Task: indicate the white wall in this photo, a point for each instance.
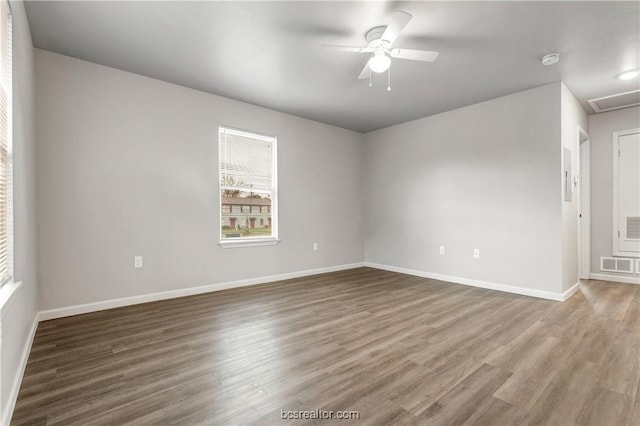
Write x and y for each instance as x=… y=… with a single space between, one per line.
x=601 y=128
x=18 y=317
x=572 y=116
x=127 y=165
x=484 y=176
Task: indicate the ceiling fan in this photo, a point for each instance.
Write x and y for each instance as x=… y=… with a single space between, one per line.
x=380 y=44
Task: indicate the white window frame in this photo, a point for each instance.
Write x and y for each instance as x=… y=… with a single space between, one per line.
x=9 y=287
x=7 y=18
x=616 y=223
x=252 y=241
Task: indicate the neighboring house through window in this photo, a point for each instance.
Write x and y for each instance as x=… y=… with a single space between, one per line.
x=248 y=190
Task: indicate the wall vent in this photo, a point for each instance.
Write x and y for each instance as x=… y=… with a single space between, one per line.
x=633 y=228
x=613 y=102
x=616 y=264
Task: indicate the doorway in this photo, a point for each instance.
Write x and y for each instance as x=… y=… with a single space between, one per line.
x=584 y=205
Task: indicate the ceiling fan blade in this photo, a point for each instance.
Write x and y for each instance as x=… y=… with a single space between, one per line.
x=365 y=72
x=415 y=55
x=347 y=48
x=398 y=22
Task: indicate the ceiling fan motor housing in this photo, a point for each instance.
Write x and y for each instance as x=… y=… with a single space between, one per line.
x=374 y=38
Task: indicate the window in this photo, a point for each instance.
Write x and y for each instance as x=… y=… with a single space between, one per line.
x=6 y=233
x=247 y=166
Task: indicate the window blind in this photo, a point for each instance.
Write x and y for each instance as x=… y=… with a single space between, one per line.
x=5 y=143
x=246 y=161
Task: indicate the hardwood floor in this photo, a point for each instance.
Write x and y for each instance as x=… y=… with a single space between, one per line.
x=395 y=348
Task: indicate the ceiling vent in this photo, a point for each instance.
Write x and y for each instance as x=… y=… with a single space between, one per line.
x=613 y=102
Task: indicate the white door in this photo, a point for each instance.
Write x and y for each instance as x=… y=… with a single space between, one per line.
x=626 y=189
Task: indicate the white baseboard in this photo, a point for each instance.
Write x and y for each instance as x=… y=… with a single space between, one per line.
x=144 y=298
x=567 y=294
x=560 y=297
x=615 y=278
x=7 y=412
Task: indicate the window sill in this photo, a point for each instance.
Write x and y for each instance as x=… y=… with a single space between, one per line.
x=7 y=291
x=249 y=243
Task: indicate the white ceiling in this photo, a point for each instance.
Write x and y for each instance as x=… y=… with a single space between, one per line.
x=269 y=53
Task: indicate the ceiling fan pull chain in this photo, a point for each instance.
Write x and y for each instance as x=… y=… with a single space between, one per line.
x=389 y=79
x=370 y=82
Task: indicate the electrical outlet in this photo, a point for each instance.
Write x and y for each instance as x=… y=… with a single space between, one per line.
x=476 y=253
x=315 y=246
x=137 y=262
x=441 y=249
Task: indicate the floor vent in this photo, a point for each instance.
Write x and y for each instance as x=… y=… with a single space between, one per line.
x=616 y=264
x=613 y=102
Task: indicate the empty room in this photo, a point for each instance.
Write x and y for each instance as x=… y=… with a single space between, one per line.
x=319 y=212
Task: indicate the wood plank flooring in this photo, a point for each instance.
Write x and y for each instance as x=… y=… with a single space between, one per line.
x=395 y=348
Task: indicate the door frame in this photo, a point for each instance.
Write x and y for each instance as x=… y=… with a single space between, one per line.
x=584 y=204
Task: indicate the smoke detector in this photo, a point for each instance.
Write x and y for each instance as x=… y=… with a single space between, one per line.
x=550 y=59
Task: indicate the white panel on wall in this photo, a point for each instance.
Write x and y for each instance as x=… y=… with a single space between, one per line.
x=566 y=174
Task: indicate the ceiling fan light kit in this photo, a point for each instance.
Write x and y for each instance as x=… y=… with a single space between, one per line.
x=379 y=62
x=380 y=44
